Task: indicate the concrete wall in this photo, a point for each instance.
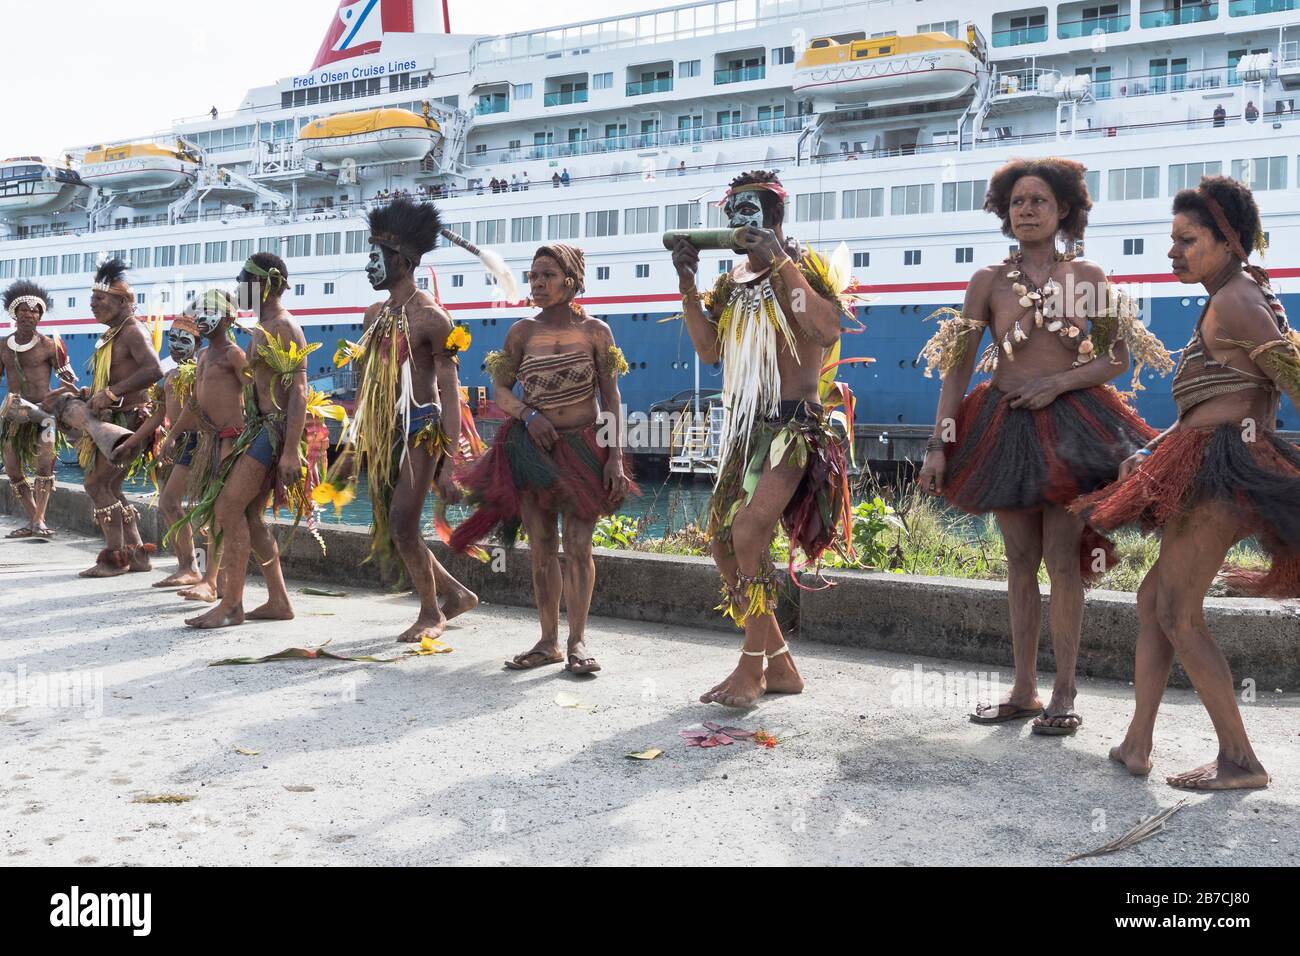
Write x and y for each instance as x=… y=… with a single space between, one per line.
x=926 y=616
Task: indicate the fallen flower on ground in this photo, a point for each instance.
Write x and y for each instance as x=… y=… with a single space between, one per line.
x=714 y=735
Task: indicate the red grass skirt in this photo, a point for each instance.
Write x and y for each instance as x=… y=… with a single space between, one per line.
x=569 y=479
x=1259 y=480
x=1017 y=459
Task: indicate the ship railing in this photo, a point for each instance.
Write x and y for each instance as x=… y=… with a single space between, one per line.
x=638 y=141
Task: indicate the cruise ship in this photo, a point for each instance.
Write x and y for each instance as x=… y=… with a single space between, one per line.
x=885 y=119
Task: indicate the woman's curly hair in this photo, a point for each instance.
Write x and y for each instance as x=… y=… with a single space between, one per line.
x=1237 y=202
x=1067 y=180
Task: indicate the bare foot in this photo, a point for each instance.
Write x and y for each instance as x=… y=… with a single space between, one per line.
x=219 y=616
x=272 y=611
x=1136 y=759
x=103 y=571
x=200 y=592
x=782 y=676
x=742 y=688
x=422 y=628
x=1221 y=774
x=458 y=603
x=179 y=579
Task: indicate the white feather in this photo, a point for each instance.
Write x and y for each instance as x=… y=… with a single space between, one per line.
x=840 y=267
x=505 y=278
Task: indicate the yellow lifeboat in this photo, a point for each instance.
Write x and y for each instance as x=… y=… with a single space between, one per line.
x=885 y=71
x=136 y=166
x=32 y=186
x=369 y=136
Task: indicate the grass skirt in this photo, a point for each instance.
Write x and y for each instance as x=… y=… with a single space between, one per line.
x=1015 y=459
x=1259 y=480
x=569 y=480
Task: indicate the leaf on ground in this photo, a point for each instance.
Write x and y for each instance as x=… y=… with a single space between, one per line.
x=431 y=645
x=565 y=699
x=246 y=752
x=323 y=592
x=162 y=798
x=299 y=788
x=1143 y=830
x=648 y=754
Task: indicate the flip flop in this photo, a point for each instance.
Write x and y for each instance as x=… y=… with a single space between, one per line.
x=20 y=533
x=1017 y=713
x=43 y=534
x=518 y=663
x=581 y=665
x=1046 y=730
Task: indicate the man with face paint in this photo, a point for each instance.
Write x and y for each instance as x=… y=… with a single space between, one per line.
x=1046 y=427
x=770 y=322
x=28 y=359
x=265 y=464
x=170 y=400
x=407 y=424
x=123 y=368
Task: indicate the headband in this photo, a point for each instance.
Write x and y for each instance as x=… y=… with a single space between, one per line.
x=31 y=301
x=776 y=188
x=118 y=288
x=573 y=263
x=1232 y=237
x=183 y=323
x=273 y=275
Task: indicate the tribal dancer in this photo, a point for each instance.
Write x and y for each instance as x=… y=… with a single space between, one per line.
x=29 y=359
x=275 y=458
x=549 y=459
x=170 y=399
x=1218 y=475
x=1046 y=428
x=771 y=321
x=407 y=427
x=123 y=368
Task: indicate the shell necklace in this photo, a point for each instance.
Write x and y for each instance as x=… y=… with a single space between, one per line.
x=1044 y=302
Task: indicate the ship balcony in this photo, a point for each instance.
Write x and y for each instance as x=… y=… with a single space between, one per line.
x=492 y=104
x=646 y=78
x=662 y=84
x=565 y=90
x=1249 y=8
x=741 y=74
x=1020 y=27
x=1078 y=20
x=1155 y=13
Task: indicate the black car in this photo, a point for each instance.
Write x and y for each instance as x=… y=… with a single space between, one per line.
x=684 y=401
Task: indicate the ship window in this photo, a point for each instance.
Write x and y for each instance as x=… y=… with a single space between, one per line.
x=965 y=254
x=72 y=302
x=949 y=27
x=861 y=260
x=1133 y=247
x=688 y=68
x=964 y=196
x=603 y=222
x=912 y=257
x=7 y=269
x=327 y=244
x=457 y=280
x=71 y=263
x=27 y=267
x=1265 y=172
x=814 y=207
x=683 y=215
x=139 y=298
x=329 y=287
x=562 y=226
x=489 y=232
x=602 y=81
x=911 y=200
x=190 y=254
x=782 y=55
x=526 y=229
x=296 y=246
x=642 y=270
x=602 y=272
x=214 y=252
x=357 y=241
x=1136 y=182
x=641 y=219
x=1188 y=175
x=523 y=91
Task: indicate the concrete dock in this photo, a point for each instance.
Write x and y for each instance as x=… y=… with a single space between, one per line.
x=107 y=700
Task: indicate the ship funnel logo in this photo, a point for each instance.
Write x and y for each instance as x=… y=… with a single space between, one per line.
x=361 y=24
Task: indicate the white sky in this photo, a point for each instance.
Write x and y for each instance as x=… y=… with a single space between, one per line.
x=86 y=71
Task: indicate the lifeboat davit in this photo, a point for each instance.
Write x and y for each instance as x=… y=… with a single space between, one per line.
x=369 y=136
x=137 y=166
x=888 y=70
x=31 y=186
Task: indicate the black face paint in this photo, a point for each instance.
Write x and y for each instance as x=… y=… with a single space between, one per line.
x=208 y=322
x=382 y=269
x=744 y=209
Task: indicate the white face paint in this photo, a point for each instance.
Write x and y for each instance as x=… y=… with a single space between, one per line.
x=208 y=322
x=744 y=209
x=376 y=270
x=181 y=344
